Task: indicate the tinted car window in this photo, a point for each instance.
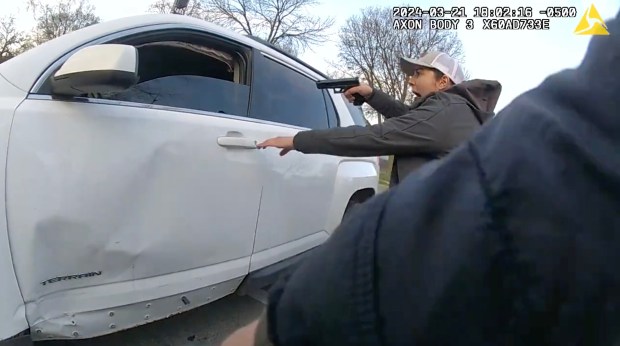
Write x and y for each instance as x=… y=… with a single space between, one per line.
x=193 y=92
x=283 y=95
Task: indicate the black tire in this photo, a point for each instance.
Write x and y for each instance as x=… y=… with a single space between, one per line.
x=351 y=206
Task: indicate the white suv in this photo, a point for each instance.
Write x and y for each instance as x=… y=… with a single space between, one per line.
x=131 y=199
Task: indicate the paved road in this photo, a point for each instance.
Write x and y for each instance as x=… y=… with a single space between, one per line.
x=205 y=326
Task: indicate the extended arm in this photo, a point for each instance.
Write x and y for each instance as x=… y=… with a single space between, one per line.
x=419 y=131
x=386 y=105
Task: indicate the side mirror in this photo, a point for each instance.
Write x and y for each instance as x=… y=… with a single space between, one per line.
x=106 y=68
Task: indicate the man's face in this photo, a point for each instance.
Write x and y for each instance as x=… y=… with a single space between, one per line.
x=424 y=81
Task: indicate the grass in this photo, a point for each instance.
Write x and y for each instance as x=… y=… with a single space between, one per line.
x=384 y=173
x=383 y=187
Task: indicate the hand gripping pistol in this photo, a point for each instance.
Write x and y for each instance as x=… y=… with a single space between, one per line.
x=342 y=85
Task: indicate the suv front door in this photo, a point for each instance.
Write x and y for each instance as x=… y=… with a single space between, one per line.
x=155 y=189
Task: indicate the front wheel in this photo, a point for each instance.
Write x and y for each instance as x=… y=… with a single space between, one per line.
x=358 y=198
x=351 y=206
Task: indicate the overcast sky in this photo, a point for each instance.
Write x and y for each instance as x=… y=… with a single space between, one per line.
x=519 y=60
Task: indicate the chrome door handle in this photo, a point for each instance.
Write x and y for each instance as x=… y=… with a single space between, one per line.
x=236 y=142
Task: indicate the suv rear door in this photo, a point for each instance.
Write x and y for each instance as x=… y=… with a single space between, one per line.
x=298 y=189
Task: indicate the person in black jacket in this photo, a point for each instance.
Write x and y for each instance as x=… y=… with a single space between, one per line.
x=512 y=239
x=446 y=112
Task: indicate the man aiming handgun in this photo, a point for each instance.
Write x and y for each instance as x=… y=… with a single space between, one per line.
x=447 y=111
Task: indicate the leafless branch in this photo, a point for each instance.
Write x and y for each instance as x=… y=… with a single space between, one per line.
x=61 y=18
x=285 y=23
x=195 y=8
x=369 y=44
x=12 y=40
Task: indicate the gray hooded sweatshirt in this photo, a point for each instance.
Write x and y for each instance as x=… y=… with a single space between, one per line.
x=415 y=134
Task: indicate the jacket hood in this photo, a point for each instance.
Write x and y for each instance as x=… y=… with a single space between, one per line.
x=481 y=95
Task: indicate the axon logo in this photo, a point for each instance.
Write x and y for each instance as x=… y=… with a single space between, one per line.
x=591 y=23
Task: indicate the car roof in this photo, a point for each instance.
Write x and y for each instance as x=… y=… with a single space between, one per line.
x=24 y=69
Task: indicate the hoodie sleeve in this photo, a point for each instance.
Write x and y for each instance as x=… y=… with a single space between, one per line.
x=419 y=131
x=386 y=105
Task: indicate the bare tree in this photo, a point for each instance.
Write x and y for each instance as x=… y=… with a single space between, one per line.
x=62 y=18
x=284 y=23
x=12 y=40
x=370 y=46
x=195 y=8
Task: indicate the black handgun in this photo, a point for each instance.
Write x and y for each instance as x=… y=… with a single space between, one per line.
x=342 y=85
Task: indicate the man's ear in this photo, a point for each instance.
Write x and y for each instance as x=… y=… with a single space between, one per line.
x=444 y=82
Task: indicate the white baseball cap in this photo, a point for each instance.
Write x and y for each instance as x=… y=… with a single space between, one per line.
x=437 y=60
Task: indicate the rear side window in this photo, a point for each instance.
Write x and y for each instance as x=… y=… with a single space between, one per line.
x=283 y=95
x=357 y=114
x=332 y=114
